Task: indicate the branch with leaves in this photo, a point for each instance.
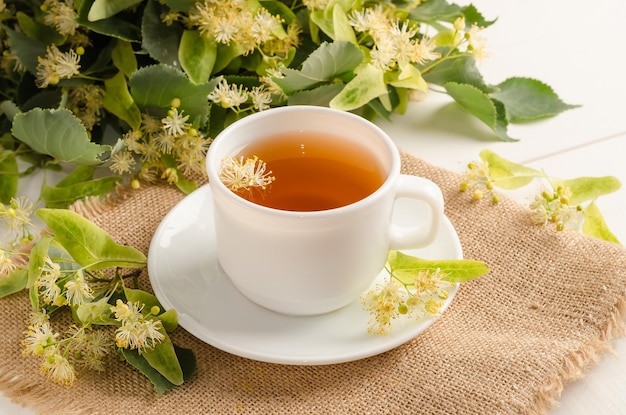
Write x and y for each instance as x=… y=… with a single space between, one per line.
x=77 y=266
x=569 y=204
x=140 y=87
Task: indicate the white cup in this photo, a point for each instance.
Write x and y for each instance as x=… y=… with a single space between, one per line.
x=314 y=262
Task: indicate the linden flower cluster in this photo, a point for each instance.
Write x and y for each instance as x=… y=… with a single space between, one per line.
x=554 y=206
x=425 y=296
x=56 y=65
x=15 y=219
x=395 y=43
x=163 y=148
x=137 y=332
x=244 y=173
x=83 y=347
x=478 y=181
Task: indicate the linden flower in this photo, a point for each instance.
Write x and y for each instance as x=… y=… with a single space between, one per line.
x=424 y=297
x=55 y=66
x=58 y=369
x=553 y=206
x=228 y=96
x=136 y=332
x=383 y=303
x=61 y=15
x=38 y=338
x=7 y=265
x=77 y=290
x=242 y=174
x=175 y=123
x=478 y=180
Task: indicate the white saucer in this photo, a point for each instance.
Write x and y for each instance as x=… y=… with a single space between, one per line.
x=185 y=275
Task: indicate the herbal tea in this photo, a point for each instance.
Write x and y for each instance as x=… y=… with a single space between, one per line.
x=313 y=171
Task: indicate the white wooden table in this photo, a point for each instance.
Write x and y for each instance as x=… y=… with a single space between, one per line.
x=577 y=49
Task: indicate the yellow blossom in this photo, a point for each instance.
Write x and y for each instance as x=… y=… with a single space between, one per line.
x=240 y=173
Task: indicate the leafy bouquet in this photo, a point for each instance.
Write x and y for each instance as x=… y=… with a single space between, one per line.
x=141 y=86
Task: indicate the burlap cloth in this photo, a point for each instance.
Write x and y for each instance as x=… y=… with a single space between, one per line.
x=507 y=345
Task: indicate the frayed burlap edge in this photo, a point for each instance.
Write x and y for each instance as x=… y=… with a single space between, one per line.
x=578 y=363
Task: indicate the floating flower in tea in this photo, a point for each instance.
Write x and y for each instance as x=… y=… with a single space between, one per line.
x=243 y=173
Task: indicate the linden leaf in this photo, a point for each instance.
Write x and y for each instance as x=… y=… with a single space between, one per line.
x=595 y=226
x=163 y=358
x=589 y=188
x=508 y=175
x=101 y=9
x=89 y=245
x=13 y=282
x=320 y=96
x=96 y=312
x=329 y=61
x=112 y=26
x=478 y=103
x=528 y=99
x=368 y=84
x=461 y=69
x=123 y=57
x=197 y=56
x=119 y=102
x=57 y=133
x=341 y=25
x=406 y=267
x=159 y=40
x=186 y=358
x=64 y=196
x=158 y=85
x=9 y=176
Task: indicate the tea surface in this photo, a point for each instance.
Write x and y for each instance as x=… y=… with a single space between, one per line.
x=313 y=172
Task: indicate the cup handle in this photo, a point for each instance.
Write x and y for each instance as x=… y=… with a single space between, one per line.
x=424 y=190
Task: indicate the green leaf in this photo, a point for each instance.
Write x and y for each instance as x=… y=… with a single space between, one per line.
x=13 y=282
x=163 y=358
x=329 y=61
x=36 y=260
x=64 y=196
x=114 y=26
x=595 y=226
x=507 y=174
x=27 y=50
x=119 y=102
x=185 y=186
x=435 y=10
x=57 y=133
x=589 y=188
x=142 y=297
x=38 y=31
x=161 y=385
x=161 y=41
x=9 y=176
x=97 y=312
x=341 y=25
x=320 y=96
x=197 y=56
x=89 y=245
x=368 y=84
x=409 y=77
x=158 y=85
x=123 y=57
x=528 y=99
x=79 y=174
x=169 y=319
x=406 y=267
x=101 y=9
x=458 y=69
x=480 y=105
